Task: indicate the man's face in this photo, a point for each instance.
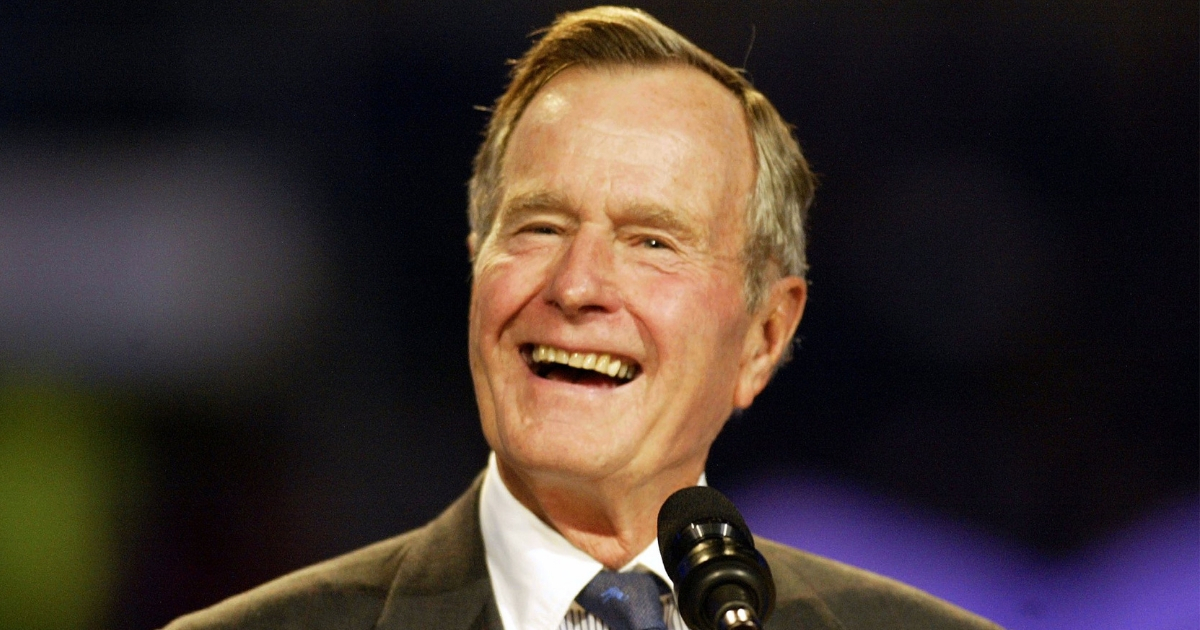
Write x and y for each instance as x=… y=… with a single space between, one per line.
x=618 y=235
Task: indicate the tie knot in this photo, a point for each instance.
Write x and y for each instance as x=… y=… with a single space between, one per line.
x=625 y=601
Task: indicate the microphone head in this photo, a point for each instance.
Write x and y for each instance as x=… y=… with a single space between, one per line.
x=695 y=505
x=721 y=580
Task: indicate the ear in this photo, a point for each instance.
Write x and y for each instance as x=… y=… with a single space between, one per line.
x=771 y=331
x=472 y=243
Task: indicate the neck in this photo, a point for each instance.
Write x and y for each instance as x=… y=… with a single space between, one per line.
x=612 y=520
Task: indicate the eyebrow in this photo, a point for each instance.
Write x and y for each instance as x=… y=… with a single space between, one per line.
x=659 y=217
x=650 y=215
x=535 y=200
x=530 y=203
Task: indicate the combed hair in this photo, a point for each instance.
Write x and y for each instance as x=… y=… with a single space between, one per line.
x=619 y=36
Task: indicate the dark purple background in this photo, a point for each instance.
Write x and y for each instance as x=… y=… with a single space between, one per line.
x=245 y=221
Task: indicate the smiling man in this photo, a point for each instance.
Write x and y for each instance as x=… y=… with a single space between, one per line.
x=610 y=337
x=638 y=251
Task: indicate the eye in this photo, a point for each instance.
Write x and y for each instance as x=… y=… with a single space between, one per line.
x=539 y=228
x=651 y=242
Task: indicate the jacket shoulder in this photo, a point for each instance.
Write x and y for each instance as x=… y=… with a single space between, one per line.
x=440 y=563
x=346 y=592
x=859 y=599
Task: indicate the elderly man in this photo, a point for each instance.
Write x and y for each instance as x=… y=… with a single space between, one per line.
x=636 y=234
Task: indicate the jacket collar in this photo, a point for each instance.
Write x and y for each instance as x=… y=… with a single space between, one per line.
x=442 y=581
x=798 y=603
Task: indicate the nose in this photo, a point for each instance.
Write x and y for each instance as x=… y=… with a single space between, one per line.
x=583 y=276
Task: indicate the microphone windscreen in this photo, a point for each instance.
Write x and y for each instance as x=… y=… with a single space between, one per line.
x=698 y=504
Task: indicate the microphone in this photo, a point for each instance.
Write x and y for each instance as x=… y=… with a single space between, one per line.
x=721 y=581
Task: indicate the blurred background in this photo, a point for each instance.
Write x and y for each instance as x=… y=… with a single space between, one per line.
x=233 y=291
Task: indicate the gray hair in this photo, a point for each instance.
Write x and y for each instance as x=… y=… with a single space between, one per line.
x=607 y=36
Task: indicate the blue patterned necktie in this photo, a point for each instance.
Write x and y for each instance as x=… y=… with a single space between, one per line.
x=625 y=601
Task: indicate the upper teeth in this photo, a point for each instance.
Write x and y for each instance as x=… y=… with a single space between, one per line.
x=601 y=363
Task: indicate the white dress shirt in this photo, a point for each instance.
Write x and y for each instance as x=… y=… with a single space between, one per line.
x=536 y=573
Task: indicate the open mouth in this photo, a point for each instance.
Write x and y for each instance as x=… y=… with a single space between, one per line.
x=585 y=368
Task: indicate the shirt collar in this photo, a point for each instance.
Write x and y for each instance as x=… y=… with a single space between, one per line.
x=535 y=572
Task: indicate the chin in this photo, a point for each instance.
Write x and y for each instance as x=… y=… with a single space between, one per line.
x=566 y=458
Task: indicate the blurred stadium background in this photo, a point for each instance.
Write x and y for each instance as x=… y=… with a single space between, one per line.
x=233 y=289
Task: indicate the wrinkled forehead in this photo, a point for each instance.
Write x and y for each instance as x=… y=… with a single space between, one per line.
x=662 y=131
x=674 y=95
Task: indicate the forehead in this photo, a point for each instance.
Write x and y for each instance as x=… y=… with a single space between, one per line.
x=654 y=132
x=668 y=90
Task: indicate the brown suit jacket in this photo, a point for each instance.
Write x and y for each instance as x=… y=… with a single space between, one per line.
x=436 y=577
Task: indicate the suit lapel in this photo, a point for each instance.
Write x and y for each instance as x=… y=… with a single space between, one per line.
x=467 y=608
x=443 y=580
x=797 y=603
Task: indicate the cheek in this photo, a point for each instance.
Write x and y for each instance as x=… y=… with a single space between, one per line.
x=693 y=327
x=699 y=305
x=500 y=289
